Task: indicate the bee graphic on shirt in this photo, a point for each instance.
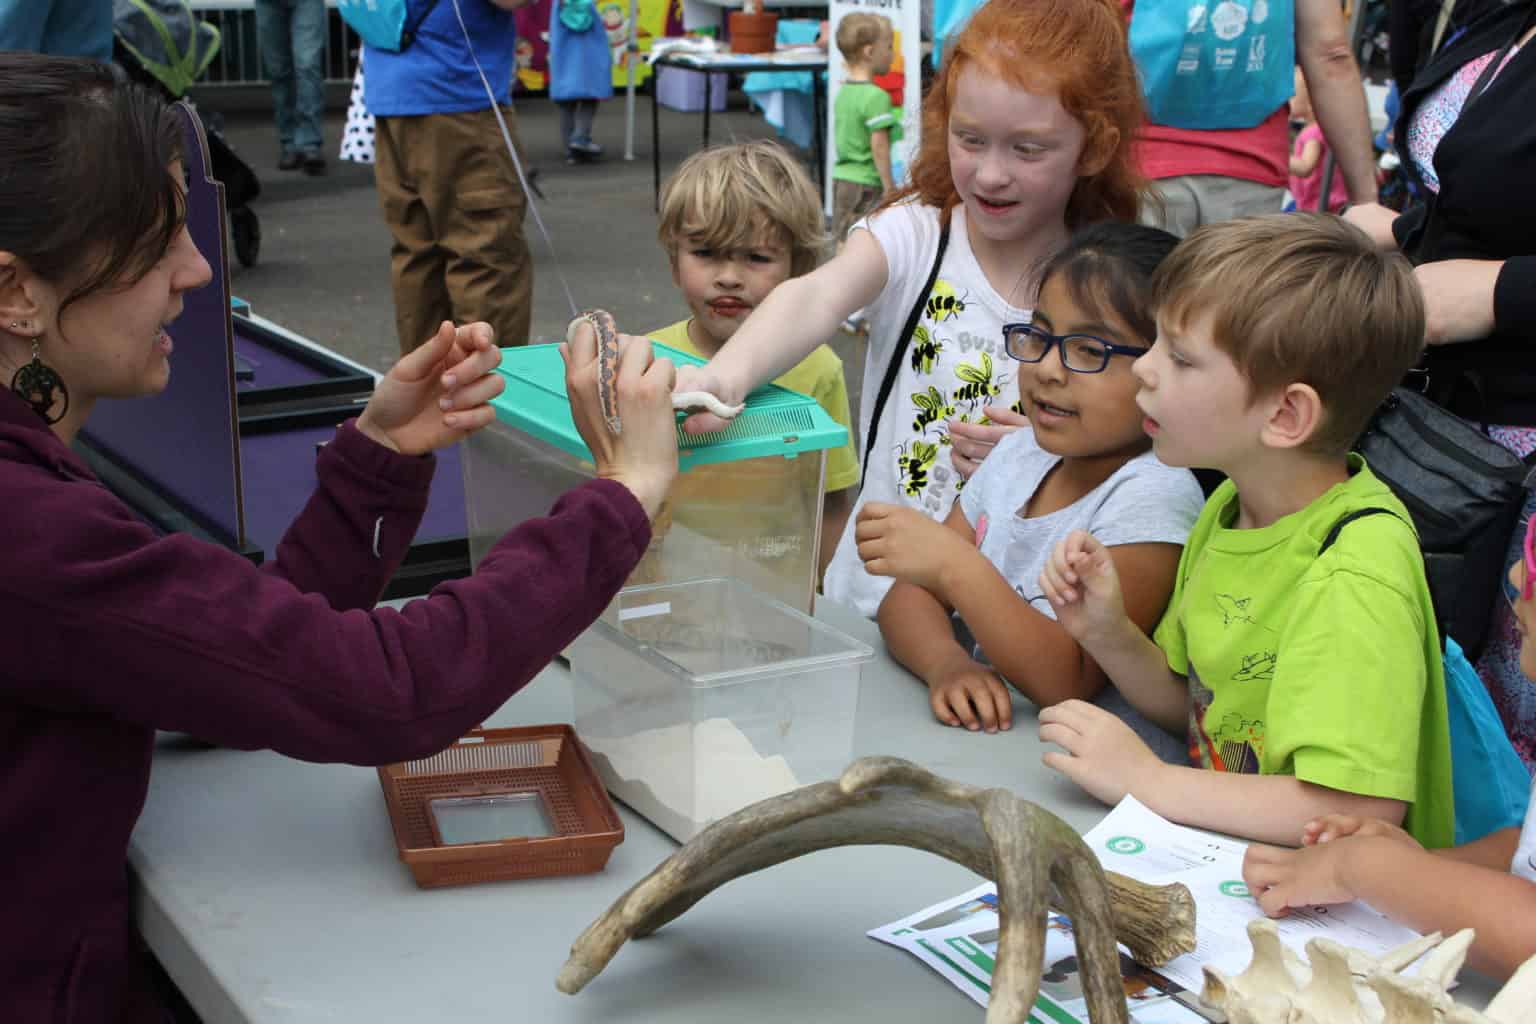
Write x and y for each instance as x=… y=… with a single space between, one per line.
x=913 y=464
x=925 y=349
x=943 y=304
x=979 y=384
x=931 y=407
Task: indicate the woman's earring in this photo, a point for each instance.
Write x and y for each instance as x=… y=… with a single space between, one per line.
x=41 y=387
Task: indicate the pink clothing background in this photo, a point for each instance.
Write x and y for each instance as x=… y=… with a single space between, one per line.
x=1308 y=190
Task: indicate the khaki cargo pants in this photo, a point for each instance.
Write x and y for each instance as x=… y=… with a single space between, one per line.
x=452 y=202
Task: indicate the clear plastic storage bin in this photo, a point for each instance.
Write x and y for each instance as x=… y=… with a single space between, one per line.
x=699 y=698
x=746 y=504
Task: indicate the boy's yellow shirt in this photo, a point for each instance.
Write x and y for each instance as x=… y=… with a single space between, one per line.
x=819 y=375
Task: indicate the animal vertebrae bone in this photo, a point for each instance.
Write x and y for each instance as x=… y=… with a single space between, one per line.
x=1035 y=858
x=1339 y=985
x=608 y=375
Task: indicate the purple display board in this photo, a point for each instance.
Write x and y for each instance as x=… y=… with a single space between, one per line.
x=184 y=440
x=281 y=467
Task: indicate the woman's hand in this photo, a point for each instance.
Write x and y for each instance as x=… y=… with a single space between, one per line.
x=1458 y=299
x=438 y=394
x=1375 y=220
x=972 y=442
x=905 y=544
x=644 y=456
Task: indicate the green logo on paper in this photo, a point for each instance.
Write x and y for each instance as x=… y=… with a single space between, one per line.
x=1126 y=845
x=1236 y=890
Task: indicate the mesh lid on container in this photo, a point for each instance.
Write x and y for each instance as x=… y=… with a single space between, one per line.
x=776 y=421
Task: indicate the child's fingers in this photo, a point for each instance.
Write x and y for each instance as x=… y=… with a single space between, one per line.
x=959 y=704
x=1054 y=588
x=939 y=702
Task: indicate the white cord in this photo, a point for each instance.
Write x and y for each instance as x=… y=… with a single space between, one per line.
x=517 y=163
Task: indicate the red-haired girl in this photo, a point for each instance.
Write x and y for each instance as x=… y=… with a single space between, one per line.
x=1026 y=137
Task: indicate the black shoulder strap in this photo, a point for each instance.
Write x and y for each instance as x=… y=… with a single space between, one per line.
x=902 y=341
x=1359 y=513
x=408 y=34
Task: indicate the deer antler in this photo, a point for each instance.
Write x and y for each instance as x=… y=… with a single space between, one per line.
x=1035 y=858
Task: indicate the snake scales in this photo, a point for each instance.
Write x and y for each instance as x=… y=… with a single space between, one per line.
x=608 y=374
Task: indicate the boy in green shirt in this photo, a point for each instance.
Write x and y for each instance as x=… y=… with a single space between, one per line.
x=864 y=124
x=1309 y=682
x=737 y=221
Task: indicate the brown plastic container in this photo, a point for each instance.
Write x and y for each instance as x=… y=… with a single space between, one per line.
x=545 y=766
x=753 y=33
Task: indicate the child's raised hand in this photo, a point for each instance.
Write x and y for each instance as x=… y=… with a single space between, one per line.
x=1102 y=753
x=1338 y=826
x=905 y=544
x=970 y=694
x=1080 y=581
x=1280 y=879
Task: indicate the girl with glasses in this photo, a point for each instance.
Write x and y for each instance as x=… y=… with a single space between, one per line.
x=1488 y=884
x=966 y=612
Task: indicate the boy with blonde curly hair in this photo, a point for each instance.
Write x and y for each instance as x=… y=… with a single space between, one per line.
x=737 y=221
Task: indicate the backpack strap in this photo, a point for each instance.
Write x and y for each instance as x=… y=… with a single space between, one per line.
x=1359 y=513
x=408 y=34
x=902 y=342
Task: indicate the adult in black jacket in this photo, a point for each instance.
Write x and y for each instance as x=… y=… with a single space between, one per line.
x=1472 y=238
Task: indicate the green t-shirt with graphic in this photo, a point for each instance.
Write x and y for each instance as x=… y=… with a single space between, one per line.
x=1326 y=668
x=860 y=108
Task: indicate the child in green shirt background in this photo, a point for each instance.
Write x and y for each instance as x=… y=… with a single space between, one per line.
x=864 y=123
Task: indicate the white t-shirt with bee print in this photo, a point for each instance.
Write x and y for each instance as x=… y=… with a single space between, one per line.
x=954 y=368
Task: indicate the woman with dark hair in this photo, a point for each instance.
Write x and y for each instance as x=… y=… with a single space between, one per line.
x=112 y=632
x=1468 y=142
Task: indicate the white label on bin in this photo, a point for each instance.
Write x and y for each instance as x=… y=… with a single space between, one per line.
x=645 y=611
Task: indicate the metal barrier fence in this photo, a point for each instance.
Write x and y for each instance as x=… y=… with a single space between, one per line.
x=239 y=58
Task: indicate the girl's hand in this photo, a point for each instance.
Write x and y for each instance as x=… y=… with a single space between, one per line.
x=970 y=443
x=644 y=457
x=1080 y=581
x=702 y=378
x=1339 y=826
x=970 y=694
x=1103 y=755
x=1458 y=299
x=1280 y=879
x=438 y=394
x=905 y=544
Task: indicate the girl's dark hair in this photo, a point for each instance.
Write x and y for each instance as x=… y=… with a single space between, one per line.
x=1108 y=266
x=85 y=199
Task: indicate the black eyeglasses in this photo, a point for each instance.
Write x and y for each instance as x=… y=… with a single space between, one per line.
x=1080 y=353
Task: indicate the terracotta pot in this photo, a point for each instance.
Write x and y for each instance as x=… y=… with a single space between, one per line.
x=753 y=33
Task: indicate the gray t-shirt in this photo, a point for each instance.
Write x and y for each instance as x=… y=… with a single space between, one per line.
x=1143 y=502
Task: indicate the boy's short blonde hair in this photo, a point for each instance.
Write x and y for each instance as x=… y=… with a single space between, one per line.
x=730 y=197
x=860 y=29
x=1300 y=298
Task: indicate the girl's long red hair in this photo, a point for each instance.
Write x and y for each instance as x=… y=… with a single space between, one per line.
x=1074 y=48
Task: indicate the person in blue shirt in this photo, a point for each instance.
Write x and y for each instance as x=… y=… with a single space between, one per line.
x=64 y=28
x=447 y=185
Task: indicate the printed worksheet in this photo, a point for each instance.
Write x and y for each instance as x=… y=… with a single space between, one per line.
x=958 y=937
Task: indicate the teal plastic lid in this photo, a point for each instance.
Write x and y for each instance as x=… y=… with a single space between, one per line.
x=776 y=421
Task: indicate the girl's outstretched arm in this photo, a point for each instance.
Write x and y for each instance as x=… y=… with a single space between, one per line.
x=796 y=316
